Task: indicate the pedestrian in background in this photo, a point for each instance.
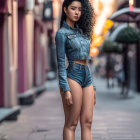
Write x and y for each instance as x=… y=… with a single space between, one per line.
x=75 y=82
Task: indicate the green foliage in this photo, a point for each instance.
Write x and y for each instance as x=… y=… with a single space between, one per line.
x=111 y=47
x=128 y=35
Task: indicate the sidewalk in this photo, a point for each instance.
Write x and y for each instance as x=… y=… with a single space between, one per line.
x=115 y=118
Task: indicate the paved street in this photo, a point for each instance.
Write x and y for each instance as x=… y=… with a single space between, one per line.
x=115 y=117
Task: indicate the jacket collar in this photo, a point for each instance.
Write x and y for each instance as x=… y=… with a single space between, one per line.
x=76 y=29
x=69 y=27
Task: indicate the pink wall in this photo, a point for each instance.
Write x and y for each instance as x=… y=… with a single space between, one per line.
x=1 y=61
x=22 y=55
x=21 y=3
x=39 y=52
x=3 y=6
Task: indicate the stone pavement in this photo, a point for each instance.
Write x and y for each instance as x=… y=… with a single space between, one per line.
x=115 y=117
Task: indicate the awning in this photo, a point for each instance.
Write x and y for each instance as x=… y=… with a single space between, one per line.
x=125 y=15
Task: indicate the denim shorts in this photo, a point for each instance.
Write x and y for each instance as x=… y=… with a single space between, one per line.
x=79 y=73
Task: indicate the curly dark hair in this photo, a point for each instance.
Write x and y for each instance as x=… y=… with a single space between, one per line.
x=87 y=19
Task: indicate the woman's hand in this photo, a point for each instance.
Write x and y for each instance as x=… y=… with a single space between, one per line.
x=94 y=97
x=68 y=97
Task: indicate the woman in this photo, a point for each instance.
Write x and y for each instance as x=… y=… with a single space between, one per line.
x=76 y=86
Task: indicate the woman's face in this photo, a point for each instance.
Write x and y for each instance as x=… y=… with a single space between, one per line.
x=74 y=11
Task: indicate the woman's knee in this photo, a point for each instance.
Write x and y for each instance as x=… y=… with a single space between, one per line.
x=71 y=125
x=86 y=123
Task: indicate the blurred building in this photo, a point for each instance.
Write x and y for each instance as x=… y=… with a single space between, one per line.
x=133 y=50
x=8 y=56
x=137 y=4
x=24 y=53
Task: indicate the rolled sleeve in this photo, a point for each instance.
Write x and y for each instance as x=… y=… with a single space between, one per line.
x=60 y=41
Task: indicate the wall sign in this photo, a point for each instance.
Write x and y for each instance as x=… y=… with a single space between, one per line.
x=48 y=11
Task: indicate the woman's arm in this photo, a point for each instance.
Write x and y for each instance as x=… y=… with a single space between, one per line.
x=60 y=40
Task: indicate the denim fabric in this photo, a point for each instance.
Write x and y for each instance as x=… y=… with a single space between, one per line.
x=80 y=74
x=75 y=45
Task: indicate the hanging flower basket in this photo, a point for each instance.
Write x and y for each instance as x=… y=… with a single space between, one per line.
x=111 y=47
x=128 y=35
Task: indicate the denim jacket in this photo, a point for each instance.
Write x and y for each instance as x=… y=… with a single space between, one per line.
x=75 y=45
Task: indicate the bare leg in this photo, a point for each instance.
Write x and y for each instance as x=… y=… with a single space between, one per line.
x=86 y=114
x=72 y=112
